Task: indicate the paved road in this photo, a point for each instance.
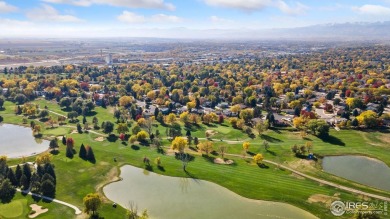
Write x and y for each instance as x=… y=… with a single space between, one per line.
x=76 y=209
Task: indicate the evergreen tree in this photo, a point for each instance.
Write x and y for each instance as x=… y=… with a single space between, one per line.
x=63 y=140
x=18 y=173
x=48 y=188
x=40 y=170
x=50 y=170
x=35 y=183
x=355 y=122
x=82 y=152
x=90 y=155
x=196 y=141
x=7 y=191
x=11 y=177
x=79 y=129
x=69 y=152
x=27 y=171
x=47 y=176
x=24 y=182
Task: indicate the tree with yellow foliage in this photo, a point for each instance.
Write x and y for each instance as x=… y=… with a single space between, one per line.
x=125 y=101
x=170 y=119
x=206 y=146
x=185 y=117
x=207 y=119
x=258 y=158
x=43 y=158
x=151 y=95
x=191 y=105
x=300 y=122
x=235 y=108
x=368 y=118
x=245 y=146
x=179 y=144
x=142 y=136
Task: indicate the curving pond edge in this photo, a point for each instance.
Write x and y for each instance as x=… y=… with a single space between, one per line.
x=175 y=197
x=351 y=167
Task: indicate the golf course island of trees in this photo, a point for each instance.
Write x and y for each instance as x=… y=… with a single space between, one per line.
x=260 y=128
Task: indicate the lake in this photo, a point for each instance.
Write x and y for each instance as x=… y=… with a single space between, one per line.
x=18 y=141
x=175 y=197
x=364 y=170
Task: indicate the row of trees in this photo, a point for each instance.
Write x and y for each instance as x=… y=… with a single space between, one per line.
x=41 y=180
x=85 y=152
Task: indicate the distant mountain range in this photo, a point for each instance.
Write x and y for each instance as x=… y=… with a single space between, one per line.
x=345 y=32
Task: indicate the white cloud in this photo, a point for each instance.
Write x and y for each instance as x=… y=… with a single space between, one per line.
x=6 y=8
x=163 y=18
x=130 y=17
x=159 y=4
x=297 y=10
x=8 y=23
x=255 y=5
x=248 y=5
x=216 y=19
x=48 y=13
x=376 y=10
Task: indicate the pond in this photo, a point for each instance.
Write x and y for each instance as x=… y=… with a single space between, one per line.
x=18 y=141
x=364 y=170
x=174 y=197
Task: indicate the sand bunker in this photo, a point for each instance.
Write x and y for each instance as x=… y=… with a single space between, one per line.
x=99 y=139
x=221 y=161
x=38 y=210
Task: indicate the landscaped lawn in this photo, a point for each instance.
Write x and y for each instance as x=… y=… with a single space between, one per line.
x=15 y=209
x=77 y=177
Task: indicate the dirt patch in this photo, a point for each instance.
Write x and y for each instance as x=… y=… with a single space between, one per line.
x=302 y=164
x=325 y=199
x=221 y=161
x=385 y=138
x=100 y=139
x=38 y=210
x=210 y=133
x=74 y=132
x=170 y=152
x=59 y=138
x=297 y=176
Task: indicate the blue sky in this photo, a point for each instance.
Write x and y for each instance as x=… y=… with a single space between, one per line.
x=122 y=17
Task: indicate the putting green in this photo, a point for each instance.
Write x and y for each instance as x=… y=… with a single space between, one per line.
x=13 y=209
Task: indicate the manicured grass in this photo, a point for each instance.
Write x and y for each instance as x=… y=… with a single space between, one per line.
x=15 y=209
x=77 y=177
x=20 y=208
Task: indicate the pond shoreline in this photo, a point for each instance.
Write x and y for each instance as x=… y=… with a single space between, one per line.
x=191 y=186
x=19 y=142
x=349 y=167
